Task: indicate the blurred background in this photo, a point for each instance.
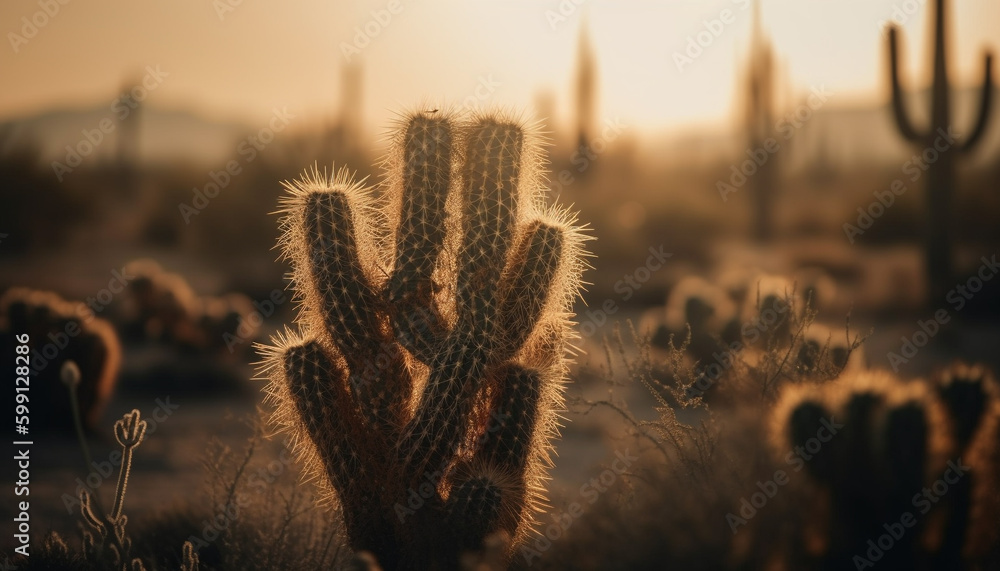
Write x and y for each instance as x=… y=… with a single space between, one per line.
x=740 y=137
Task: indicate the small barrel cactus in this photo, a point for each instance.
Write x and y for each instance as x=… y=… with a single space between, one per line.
x=824 y=350
x=709 y=313
x=61 y=331
x=423 y=383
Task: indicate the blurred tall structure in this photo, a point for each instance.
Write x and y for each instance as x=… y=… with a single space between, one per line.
x=759 y=125
x=349 y=130
x=127 y=150
x=545 y=110
x=937 y=138
x=585 y=89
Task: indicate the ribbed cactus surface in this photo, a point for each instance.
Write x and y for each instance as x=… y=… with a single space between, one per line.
x=423 y=380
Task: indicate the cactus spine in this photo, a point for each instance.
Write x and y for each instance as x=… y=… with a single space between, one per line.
x=940 y=173
x=425 y=394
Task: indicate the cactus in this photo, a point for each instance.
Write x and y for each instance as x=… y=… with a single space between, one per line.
x=969 y=393
x=61 y=331
x=423 y=397
x=162 y=307
x=823 y=350
x=704 y=309
x=106 y=540
x=759 y=126
x=585 y=93
x=892 y=440
x=772 y=305
x=940 y=173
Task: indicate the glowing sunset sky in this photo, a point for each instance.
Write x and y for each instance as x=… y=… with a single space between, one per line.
x=267 y=54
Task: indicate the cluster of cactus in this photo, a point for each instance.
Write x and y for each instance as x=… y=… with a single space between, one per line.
x=423 y=384
x=941 y=172
x=712 y=317
x=61 y=331
x=162 y=307
x=879 y=449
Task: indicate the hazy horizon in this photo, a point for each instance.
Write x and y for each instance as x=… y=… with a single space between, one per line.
x=219 y=65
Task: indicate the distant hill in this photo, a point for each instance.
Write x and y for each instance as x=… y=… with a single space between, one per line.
x=165 y=135
x=836 y=136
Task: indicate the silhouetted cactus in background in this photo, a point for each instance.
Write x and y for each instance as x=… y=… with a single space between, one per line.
x=872 y=444
x=824 y=349
x=162 y=307
x=424 y=382
x=585 y=93
x=894 y=442
x=941 y=172
x=705 y=310
x=969 y=393
x=62 y=331
x=758 y=117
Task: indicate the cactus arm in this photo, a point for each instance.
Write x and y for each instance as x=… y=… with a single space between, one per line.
x=350 y=305
x=985 y=104
x=507 y=441
x=898 y=106
x=426 y=178
x=490 y=493
x=491 y=175
x=474 y=510
x=437 y=430
x=525 y=291
x=345 y=292
x=332 y=421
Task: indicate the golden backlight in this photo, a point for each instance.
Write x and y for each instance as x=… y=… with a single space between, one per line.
x=240 y=60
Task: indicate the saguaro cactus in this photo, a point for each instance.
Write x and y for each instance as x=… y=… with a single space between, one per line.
x=585 y=91
x=423 y=382
x=759 y=123
x=940 y=172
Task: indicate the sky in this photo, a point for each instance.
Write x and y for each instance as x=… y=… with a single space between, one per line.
x=241 y=59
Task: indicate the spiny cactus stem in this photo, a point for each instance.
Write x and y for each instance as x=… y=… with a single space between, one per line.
x=116 y=512
x=129 y=431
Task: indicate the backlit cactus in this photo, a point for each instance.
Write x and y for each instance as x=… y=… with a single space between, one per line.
x=423 y=383
x=697 y=305
x=825 y=350
x=62 y=331
x=969 y=392
x=917 y=454
x=940 y=172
